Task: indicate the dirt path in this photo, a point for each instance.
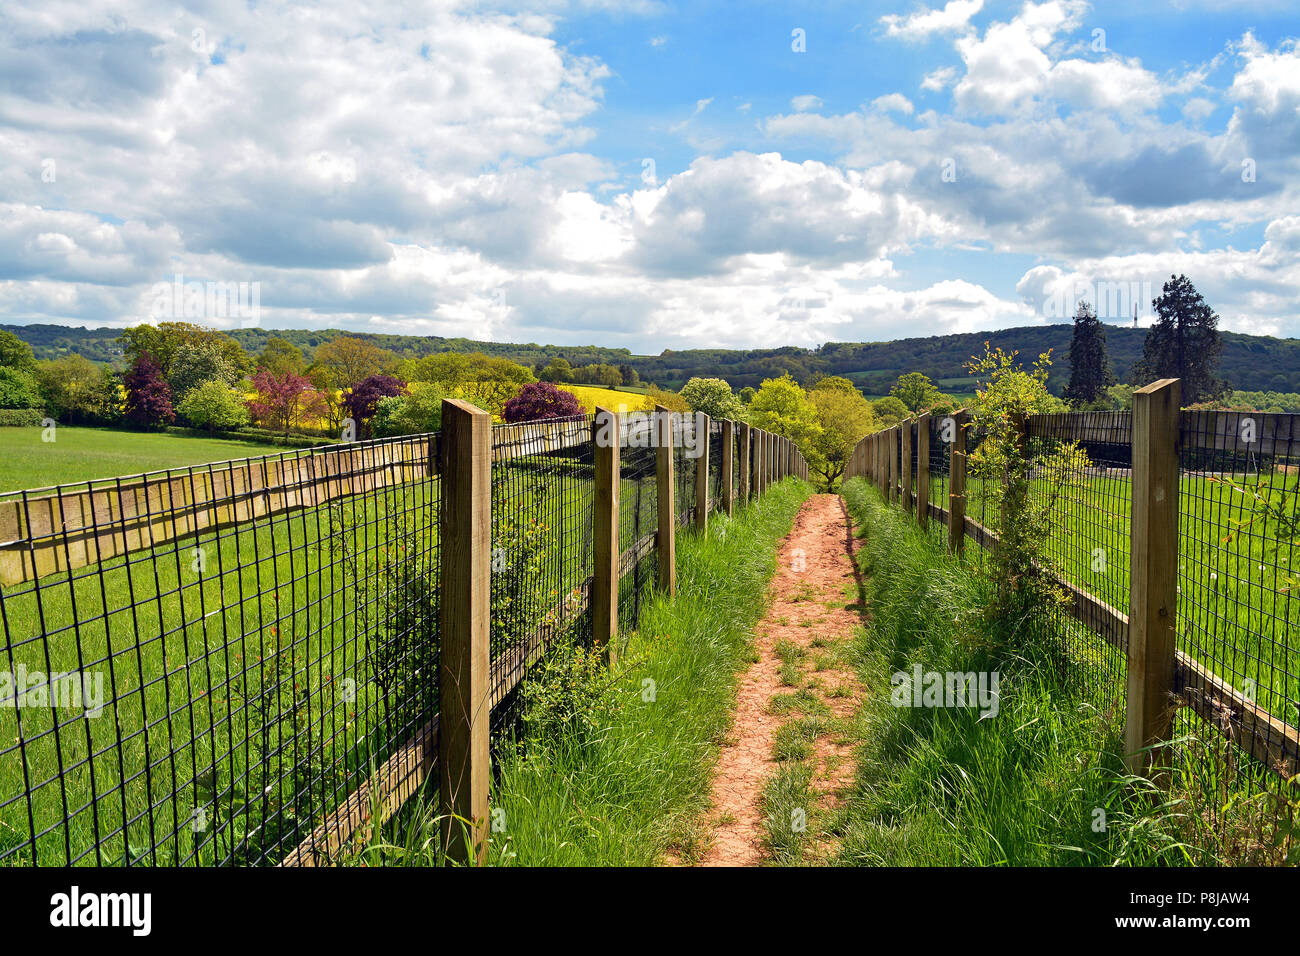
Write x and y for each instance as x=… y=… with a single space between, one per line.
x=813 y=615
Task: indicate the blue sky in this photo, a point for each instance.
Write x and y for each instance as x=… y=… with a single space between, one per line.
x=649 y=174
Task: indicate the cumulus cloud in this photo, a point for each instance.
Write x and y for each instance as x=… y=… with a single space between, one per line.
x=954 y=16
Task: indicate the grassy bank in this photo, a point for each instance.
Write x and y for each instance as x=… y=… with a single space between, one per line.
x=1038 y=783
x=614 y=769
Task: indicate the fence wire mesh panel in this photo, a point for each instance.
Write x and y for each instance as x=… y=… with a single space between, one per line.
x=684 y=469
x=1238 y=609
x=543 y=495
x=940 y=460
x=203 y=661
x=715 y=465
x=637 y=522
x=1080 y=482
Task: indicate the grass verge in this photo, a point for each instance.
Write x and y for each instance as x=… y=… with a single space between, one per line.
x=1040 y=781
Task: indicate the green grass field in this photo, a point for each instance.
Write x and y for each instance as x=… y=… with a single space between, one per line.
x=80 y=454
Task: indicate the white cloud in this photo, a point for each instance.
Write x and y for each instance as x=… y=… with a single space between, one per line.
x=802 y=104
x=893 y=102
x=953 y=17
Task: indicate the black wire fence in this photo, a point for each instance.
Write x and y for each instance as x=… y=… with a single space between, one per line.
x=1237 y=658
x=229 y=664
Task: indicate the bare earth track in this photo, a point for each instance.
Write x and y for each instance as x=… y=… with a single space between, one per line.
x=813 y=599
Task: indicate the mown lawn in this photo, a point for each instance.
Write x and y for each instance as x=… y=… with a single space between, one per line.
x=80 y=454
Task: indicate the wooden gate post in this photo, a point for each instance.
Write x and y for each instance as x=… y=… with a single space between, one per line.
x=728 y=463
x=604 y=584
x=923 y=470
x=463 y=661
x=666 y=501
x=1153 y=588
x=702 y=426
x=957 y=485
x=906 y=465
x=746 y=451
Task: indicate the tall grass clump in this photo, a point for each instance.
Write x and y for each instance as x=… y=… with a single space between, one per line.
x=1039 y=783
x=613 y=766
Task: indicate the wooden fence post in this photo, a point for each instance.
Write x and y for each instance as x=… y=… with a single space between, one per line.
x=906 y=465
x=666 y=502
x=727 y=464
x=463 y=661
x=604 y=584
x=1153 y=587
x=760 y=462
x=702 y=425
x=957 y=485
x=745 y=450
x=891 y=449
x=923 y=470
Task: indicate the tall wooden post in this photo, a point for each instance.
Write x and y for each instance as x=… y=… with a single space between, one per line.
x=923 y=470
x=745 y=450
x=906 y=463
x=1153 y=587
x=702 y=438
x=957 y=485
x=463 y=661
x=728 y=463
x=666 y=501
x=760 y=462
x=604 y=584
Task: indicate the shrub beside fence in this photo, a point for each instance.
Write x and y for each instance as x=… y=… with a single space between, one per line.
x=1175 y=540
x=238 y=663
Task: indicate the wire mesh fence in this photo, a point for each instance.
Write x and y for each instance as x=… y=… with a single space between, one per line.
x=202 y=660
x=1237 y=668
x=1238 y=613
x=215 y=665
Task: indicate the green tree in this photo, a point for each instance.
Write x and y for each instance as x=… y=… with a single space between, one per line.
x=197 y=361
x=845 y=417
x=781 y=406
x=19 y=389
x=713 y=397
x=916 y=392
x=889 y=411
x=214 y=405
x=1090 y=374
x=280 y=356
x=1183 y=343
x=15 y=353
x=77 y=390
x=556 y=370
x=163 y=341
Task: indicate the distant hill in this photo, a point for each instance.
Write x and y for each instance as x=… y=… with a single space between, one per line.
x=1250 y=362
